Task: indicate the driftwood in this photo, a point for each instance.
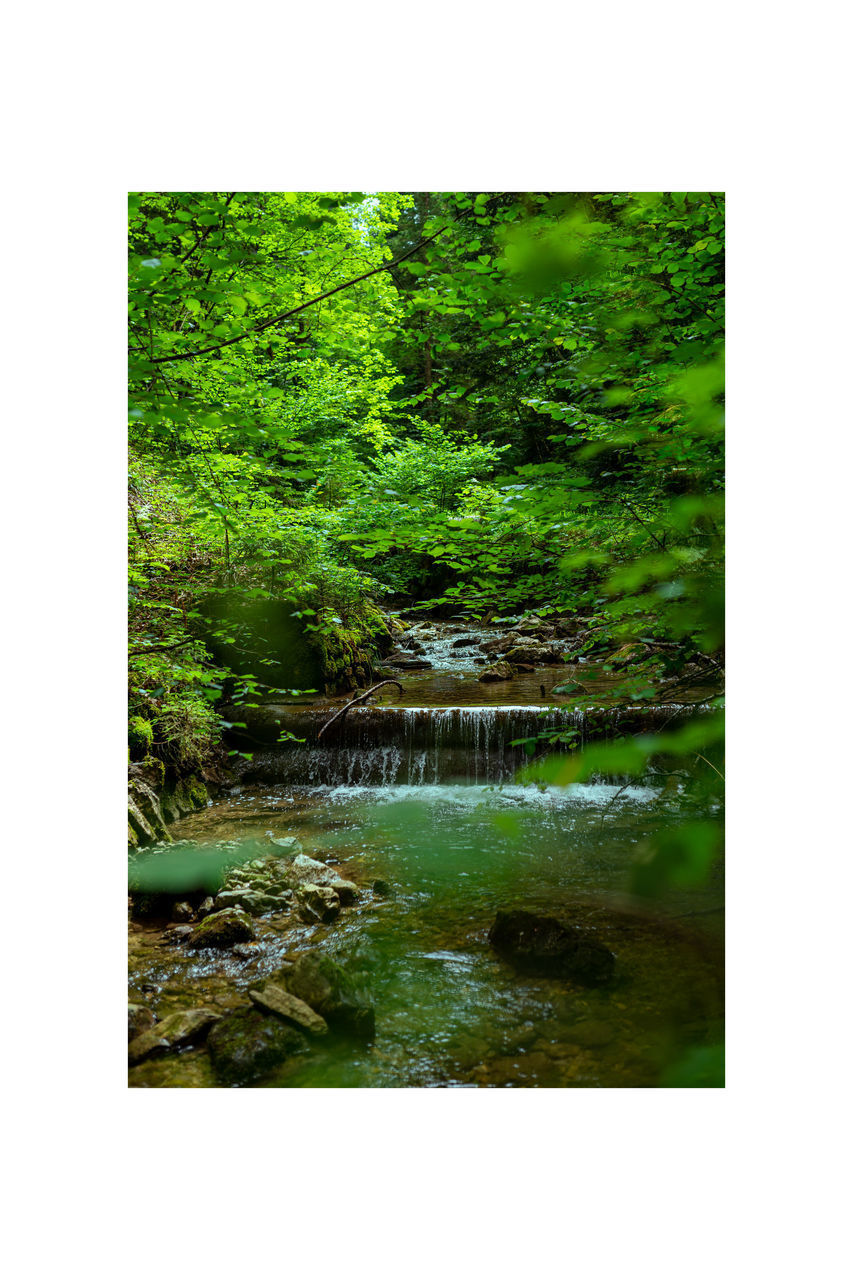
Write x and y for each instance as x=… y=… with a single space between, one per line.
x=362 y=697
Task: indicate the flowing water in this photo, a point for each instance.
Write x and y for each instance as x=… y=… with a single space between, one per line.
x=424 y=799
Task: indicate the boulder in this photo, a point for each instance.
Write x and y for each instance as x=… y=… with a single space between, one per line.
x=540 y=654
x=222 y=929
x=382 y=888
x=174 y=1031
x=206 y=908
x=316 y=902
x=543 y=946
x=331 y=991
x=307 y=870
x=274 y=999
x=247 y=1045
x=182 y=913
x=497 y=671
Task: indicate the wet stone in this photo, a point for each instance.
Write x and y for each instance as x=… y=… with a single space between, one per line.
x=307 y=870
x=347 y=892
x=286 y=846
x=543 y=946
x=277 y=1000
x=498 y=671
x=248 y=1045
x=222 y=929
x=317 y=903
x=174 y=1031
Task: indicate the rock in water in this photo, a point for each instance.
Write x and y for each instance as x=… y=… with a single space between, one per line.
x=307 y=870
x=176 y=1030
x=222 y=929
x=497 y=671
x=286 y=846
x=276 y=1000
x=347 y=892
x=317 y=902
x=542 y=946
x=247 y=1045
x=533 y=652
x=329 y=989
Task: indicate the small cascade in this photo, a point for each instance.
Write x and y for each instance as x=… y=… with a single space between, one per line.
x=387 y=746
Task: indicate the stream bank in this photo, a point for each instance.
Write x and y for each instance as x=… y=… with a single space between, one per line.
x=413 y=836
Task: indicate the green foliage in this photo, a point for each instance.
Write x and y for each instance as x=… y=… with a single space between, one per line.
x=186 y=732
x=524 y=412
x=140 y=736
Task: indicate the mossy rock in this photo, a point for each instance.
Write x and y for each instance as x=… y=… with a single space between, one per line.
x=247 y=1045
x=140 y=737
x=496 y=672
x=187 y=796
x=222 y=929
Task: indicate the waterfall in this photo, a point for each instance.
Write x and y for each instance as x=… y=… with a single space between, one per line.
x=384 y=746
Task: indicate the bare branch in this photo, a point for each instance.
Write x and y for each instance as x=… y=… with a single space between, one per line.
x=362 y=697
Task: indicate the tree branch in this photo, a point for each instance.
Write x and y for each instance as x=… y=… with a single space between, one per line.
x=285 y=315
x=150 y=648
x=362 y=697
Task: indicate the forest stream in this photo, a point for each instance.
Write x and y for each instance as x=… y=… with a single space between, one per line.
x=416 y=804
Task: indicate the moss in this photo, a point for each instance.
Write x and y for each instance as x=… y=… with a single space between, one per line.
x=222 y=929
x=140 y=737
x=192 y=793
x=348 y=654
